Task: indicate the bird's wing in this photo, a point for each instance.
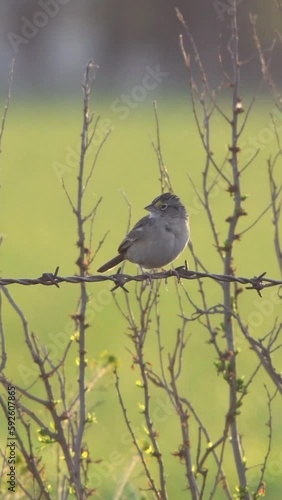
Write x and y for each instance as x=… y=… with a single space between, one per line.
x=134 y=234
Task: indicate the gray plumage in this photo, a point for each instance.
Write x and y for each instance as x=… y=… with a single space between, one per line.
x=157 y=239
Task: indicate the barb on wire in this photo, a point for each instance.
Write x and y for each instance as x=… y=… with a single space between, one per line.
x=257 y=283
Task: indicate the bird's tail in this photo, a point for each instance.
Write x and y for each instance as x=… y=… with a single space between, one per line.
x=112 y=263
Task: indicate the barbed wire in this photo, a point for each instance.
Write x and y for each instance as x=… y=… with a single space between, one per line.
x=119 y=279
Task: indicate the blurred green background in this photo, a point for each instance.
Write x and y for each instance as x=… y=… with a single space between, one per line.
x=41 y=142
x=40 y=233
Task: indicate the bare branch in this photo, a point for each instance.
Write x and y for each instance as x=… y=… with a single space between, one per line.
x=6 y=108
x=164 y=175
x=135 y=442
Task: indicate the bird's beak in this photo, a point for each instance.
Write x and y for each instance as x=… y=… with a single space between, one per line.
x=149 y=208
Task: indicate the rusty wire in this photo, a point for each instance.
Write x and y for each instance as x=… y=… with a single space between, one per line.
x=257 y=283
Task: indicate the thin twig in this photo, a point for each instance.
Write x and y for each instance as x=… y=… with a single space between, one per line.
x=8 y=100
x=135 y=441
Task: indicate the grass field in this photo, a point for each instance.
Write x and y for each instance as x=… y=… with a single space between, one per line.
x=39 y=234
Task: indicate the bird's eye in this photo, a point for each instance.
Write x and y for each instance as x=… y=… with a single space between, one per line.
x=163 y=206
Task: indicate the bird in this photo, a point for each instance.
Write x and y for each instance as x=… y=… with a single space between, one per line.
x=157 y=239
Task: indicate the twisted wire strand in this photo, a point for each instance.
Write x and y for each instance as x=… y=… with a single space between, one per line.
x=257 y=283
